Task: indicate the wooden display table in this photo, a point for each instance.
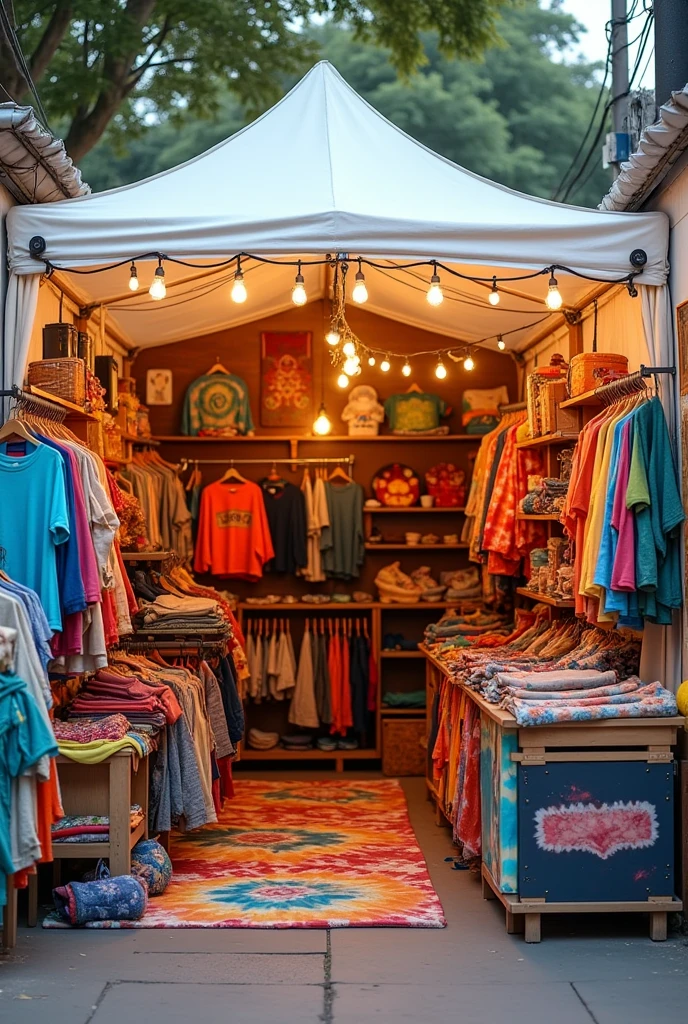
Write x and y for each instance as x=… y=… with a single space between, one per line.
x=107 y=788
x=534 y=781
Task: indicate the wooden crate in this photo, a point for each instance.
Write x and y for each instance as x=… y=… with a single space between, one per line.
x=402 y=749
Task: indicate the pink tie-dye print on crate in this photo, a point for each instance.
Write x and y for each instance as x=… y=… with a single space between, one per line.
x=601 y=830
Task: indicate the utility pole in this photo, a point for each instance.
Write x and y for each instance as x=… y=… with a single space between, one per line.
x=619 y=142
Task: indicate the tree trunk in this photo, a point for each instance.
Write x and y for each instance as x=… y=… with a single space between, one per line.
x=49 y=42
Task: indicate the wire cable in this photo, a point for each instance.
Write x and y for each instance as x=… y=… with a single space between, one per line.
x=15 y=45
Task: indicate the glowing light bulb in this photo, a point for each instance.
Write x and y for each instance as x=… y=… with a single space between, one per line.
x=501 y=344
x=133 y=278
x=298 y=292
x=332 y=337
x=360 y=292
x=371 y=360
x=406 y=369
x=322 y=424
x=342 y=380
x=239 y=293
x=352 y=366
x=553 y=299
x=385 y=365
x=157 y=289
x=494 y=296
x=349 y=349
x=440 y=370
x=435 y=295
x=468 y=363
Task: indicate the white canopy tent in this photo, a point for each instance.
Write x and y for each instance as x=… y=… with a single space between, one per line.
x=321 y=172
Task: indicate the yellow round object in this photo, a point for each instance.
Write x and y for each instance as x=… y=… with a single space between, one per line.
x=682 y=697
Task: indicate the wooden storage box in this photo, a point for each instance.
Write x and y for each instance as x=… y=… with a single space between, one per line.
x=556 y=420
x=402 y=750
x=65 y=378
x=588 y=370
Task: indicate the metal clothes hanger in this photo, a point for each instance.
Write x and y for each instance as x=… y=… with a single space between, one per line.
x=233 y=474
x=414 y=388
x=339 y=474
x=217 y=367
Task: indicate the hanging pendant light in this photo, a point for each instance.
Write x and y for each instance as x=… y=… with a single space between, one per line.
x=371 y=360
x=385 y=365
x=501 y=344
x=342 y=380
x=494 y=296
x=133 y=278
x=435 y=295
x=440 y=369
x=360 y=292
x=468 y=363
x=553 y=299
x=332 y=337
x=349 y=349
x=322 y=424
x=157 y=289
x=298 y=292
x=239 y=293
x=406 y=369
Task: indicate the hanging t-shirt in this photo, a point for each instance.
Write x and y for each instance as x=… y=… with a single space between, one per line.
x=342 y=542
x=414 y=410
x=217 y=402
x=233 y=532
x=34 y=522
x=285 y=507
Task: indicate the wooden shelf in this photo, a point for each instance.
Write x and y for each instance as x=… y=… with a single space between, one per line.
x=545 y=517
x=587 y=400
x=414 y=547
x=418 y=712
x=145 y=556
x=279 y=754
x=401 y=654
x=548 y=439
x=420 y=605
x=555 y=602
x=306 y=606
x=149 y=442
x=413 y=508
x=74 y=412
x=314 y=439
x=75 y=851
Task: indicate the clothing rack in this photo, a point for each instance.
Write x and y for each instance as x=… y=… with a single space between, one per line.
x=348 y=460
x=215 y=643
x=35 y=405
x=631 y=384
x=513 y=407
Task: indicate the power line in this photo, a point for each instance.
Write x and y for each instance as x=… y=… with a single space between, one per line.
x=15 y=46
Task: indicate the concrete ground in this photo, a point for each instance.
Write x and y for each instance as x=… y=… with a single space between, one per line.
x=599 y=969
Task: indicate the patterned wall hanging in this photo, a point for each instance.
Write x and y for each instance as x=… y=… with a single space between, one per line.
x=286 y=379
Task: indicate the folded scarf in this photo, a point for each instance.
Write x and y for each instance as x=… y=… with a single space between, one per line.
x=527 y=713
x=564 y=679
x=123 y=898
x=113 y=727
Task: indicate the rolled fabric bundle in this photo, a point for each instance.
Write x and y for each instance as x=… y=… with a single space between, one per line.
x=123 y=898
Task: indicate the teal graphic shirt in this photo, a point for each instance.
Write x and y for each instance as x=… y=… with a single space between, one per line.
x=217 y=401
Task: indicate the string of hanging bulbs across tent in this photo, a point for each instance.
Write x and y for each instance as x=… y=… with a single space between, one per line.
x=347 y=350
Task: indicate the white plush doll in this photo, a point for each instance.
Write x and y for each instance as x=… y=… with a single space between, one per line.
x=363 y=412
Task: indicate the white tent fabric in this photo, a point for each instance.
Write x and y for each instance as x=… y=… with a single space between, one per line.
x=323 y=172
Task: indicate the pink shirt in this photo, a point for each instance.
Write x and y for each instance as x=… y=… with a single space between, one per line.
x=623 y=573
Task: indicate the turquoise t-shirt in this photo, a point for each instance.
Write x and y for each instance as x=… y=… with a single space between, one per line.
x=34 y=520
x=653 y=493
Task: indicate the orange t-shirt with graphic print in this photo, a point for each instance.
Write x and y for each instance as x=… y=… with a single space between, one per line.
x=233 y=533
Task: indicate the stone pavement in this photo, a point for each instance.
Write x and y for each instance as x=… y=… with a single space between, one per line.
x=593 y=969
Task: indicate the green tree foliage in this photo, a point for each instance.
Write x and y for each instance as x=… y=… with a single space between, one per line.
x=114 y=64
x=515 y=117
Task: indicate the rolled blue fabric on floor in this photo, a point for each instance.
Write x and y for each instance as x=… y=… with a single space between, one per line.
x=123 y=898
x=150 y=863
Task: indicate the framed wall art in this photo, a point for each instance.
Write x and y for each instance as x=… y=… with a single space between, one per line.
x=159 y=387
x=286 y=379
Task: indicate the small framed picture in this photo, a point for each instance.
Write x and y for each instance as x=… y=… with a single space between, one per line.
x=159 y=387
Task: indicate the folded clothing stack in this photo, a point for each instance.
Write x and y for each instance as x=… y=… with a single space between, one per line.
x=112 y=727
x=259 y=740
x=572 y=695
x=170 y=613
x=90 y=828
x=413 y=699
x=109 y=692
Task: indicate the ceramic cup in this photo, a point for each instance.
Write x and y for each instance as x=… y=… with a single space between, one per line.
x=427 y=500
x=412 y=538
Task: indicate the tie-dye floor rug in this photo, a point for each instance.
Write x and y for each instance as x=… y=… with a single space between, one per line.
x=303 y=854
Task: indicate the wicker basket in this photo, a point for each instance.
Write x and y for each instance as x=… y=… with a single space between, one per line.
x=402 y=750
x=589 y=370
x=65 y=378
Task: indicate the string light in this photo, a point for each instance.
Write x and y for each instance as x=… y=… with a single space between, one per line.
x=371 y=360
x=352 y=366
x=332 y=337
x=494 y=296
x=298 y=292
x=385 y=365
x=157 y=289
x=468 y=363
x=553 y=299
x=406 y=369
x=435 y=295
x=440 y=369
x=239 y=293
x=322 y=424
x=349 y=349
x=501 y=344
x=133 y=278
x=343 y=380
x=360 y=292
